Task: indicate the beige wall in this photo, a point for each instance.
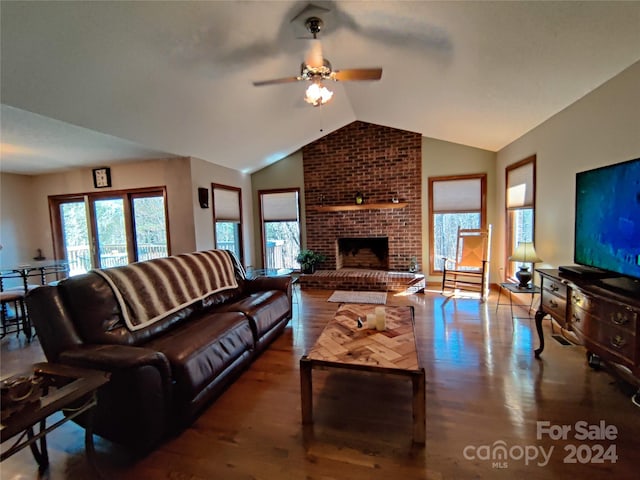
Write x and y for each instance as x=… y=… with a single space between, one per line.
x=440 y=158
x=287 y=173
x=25 y=207
x=203 y=174
x=16 y=210
x=172 y=173
x=601 y=128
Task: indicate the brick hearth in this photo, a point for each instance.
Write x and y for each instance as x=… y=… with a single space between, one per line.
x=363 y=280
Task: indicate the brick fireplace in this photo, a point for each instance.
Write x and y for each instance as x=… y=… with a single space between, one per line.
x=382 y=164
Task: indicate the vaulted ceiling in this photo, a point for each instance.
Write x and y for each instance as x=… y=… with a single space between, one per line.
x=86 y=83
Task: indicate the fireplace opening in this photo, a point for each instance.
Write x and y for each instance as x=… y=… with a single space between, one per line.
x=368 y=253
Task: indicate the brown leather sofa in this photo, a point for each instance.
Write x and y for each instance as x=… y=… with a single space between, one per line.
x=164 y=374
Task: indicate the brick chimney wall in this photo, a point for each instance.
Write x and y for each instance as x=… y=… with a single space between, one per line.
x=379 y=162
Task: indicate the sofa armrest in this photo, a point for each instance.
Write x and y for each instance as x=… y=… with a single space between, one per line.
x=115 y=357
x=134 y=407
x=269 y=283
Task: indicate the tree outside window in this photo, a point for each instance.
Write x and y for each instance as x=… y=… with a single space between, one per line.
x=279 y=213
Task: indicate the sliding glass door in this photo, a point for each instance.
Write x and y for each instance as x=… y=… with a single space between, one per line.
x=109 y=230
x=73 y=223
x=149 y=226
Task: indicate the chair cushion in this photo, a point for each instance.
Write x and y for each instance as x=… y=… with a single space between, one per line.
x=11 y=296
x=265 y=309
x=202 y=348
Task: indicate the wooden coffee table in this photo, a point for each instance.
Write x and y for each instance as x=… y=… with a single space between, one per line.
x=392 y=351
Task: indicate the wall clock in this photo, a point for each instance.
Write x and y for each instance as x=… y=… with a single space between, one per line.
x=102 y=177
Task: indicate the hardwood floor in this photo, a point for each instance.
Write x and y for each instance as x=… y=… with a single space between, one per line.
x=485 y=389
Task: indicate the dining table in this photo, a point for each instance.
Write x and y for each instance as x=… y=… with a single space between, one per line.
x=39 y=269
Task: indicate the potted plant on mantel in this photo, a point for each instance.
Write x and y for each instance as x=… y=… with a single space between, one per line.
x=308 y=259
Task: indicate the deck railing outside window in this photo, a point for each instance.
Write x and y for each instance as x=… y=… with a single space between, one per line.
x=79 y=257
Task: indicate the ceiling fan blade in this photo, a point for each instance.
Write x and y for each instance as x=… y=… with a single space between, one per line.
x=314 y=55
x=275 y=81
x=356 y=74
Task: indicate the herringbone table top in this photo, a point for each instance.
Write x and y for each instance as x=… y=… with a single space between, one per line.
x=342 y=342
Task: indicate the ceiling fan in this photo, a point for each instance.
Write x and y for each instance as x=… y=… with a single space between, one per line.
x=316 y=68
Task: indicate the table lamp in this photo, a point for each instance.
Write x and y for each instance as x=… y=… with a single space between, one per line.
x=525 y=252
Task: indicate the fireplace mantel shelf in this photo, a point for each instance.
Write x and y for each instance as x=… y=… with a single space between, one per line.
x=364 y=206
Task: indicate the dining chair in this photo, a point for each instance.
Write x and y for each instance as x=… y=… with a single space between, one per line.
x=19 y=319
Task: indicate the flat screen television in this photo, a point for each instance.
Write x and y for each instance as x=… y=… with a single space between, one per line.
x=607 y=223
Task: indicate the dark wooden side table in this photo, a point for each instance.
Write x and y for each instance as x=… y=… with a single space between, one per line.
x=61 y=388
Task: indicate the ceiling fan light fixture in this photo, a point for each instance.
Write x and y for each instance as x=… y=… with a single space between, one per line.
x=317 y=94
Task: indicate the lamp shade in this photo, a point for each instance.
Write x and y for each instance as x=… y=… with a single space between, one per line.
x=525 y=252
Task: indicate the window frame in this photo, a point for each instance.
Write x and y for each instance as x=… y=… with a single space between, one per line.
x=261 y=193
x=483 y=209
x=510 y=239
x=237 y=190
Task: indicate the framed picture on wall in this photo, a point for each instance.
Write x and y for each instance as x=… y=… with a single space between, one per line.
x=102 y=177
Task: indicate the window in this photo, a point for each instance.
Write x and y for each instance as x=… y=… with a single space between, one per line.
x=280 y=220
x=454 y=202
x=102 y=230
x=150 y=226
x=520 y=203
x=227 y=218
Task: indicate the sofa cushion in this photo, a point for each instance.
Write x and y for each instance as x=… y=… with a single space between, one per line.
x=265 y=309
x=202 y=348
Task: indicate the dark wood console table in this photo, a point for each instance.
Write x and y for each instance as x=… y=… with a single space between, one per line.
x=605 y=321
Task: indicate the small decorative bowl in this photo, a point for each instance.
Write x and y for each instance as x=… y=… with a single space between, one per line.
x=19 y=389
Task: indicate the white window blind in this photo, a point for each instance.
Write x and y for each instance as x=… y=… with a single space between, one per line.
x=457 y=195
x=226 y=204
x=280 y=207
x=520 y=186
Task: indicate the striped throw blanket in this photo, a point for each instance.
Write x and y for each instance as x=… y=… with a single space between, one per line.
x=151 y=290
